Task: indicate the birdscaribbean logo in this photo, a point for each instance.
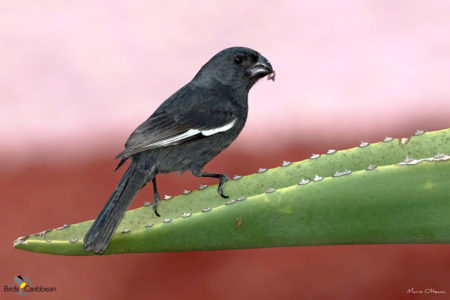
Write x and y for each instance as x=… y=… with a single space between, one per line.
x=22 y=286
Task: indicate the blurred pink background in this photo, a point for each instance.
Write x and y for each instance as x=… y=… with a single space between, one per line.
x=77 y=77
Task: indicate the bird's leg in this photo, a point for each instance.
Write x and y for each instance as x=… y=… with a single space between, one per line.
x=222 y=177
x=156 y=197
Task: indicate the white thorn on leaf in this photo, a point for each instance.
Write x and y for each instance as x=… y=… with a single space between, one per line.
x=331 y=151
x=303 y=181
x=408 y=159
x=419 y=132
x=285 y=163
x=270 y=190
x=363 y=144
x=439 y=155
x=314 y=156
x=42 y=233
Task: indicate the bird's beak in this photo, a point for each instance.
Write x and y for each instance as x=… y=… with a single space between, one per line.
x=261 y=68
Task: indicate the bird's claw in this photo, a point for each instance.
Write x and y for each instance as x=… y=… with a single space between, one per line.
x=223 y=179
x=156 y=212
x=156 y=200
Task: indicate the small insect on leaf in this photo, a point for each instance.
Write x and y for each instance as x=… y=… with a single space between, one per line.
x=238 y=222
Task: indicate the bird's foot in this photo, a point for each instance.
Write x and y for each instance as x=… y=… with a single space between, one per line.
x=223 y=178
x=156 y=200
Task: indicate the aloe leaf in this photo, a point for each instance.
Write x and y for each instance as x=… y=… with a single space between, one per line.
x=402 y=203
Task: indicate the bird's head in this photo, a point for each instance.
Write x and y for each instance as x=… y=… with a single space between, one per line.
x=237 y=67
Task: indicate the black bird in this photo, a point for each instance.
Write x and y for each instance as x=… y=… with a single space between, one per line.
x=184 y=133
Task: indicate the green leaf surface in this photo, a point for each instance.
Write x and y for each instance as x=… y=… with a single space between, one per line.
x=391 y=204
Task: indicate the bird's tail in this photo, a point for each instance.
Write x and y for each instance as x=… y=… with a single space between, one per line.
x=98 y=236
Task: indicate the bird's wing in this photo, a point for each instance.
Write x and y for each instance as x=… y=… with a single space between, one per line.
x=164 y=129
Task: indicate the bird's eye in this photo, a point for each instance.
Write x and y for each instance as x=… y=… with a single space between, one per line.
x=238 y=60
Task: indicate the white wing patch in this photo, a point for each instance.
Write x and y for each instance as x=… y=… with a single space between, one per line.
x=190 y=133
x=219 y=129
x=167 y=142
